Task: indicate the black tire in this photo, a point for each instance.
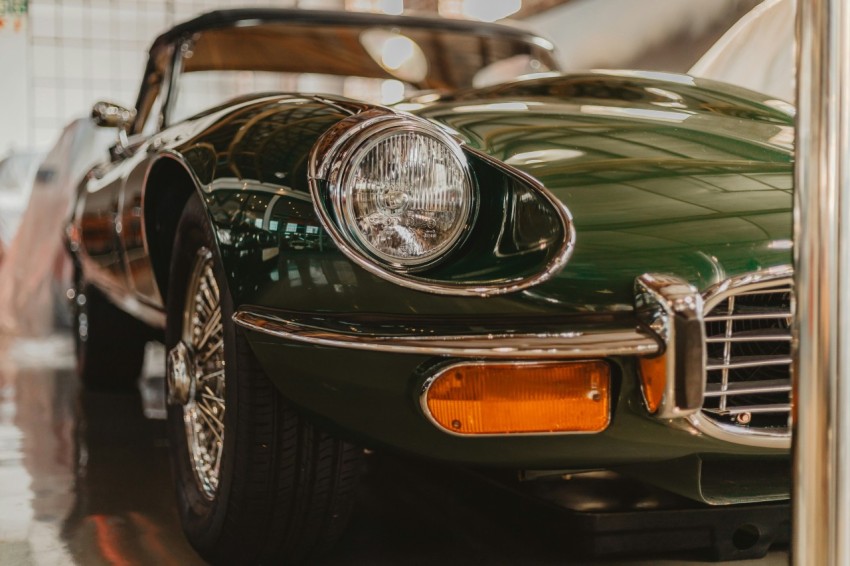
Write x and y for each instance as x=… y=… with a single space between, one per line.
x=109 y=343
x=285 y=488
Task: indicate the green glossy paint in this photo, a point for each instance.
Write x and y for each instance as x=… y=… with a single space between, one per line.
x=694 y=181
x=696 y=186
x=687 y=177
x=661 y=174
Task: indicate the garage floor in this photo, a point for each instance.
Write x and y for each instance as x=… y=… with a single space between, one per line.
x=85 y=479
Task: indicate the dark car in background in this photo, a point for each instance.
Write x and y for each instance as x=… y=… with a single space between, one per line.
x=557 y=273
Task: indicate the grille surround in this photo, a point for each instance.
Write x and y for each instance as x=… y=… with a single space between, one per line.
x=748 y=384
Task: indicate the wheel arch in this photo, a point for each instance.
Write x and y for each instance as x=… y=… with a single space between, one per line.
x=169 y=184
x=258 y=147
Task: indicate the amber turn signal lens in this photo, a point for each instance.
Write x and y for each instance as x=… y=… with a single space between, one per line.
x=653 y=372
x=505 y=398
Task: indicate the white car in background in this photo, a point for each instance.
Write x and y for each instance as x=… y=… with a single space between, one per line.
x=35 y=193
x=756 y=53
x=17 y=173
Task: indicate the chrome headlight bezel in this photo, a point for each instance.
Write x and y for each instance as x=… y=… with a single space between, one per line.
x=341 y=159
x=458 y=271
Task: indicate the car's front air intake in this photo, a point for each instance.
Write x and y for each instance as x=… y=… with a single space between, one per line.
x=748 y=343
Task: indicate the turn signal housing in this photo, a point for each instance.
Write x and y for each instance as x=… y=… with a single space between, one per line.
x=480 y=398
x=653 y=372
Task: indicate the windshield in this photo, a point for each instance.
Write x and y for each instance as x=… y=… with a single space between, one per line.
x=373 y=64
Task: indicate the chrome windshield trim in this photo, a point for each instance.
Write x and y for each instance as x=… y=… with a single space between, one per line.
x=324 y=163
x=505 y=345
x=713 y=296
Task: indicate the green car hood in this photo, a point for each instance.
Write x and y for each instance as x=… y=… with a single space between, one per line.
x=662 y=173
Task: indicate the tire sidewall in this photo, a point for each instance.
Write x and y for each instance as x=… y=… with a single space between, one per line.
x=202 y=518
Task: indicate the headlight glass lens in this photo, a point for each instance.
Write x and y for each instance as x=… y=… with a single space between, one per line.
x=406 y=197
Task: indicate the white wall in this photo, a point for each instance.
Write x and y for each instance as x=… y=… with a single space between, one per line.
x=14 y=86
x=76 y=52
x=608 y=34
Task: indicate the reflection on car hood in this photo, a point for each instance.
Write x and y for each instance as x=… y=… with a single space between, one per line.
x=663 y=173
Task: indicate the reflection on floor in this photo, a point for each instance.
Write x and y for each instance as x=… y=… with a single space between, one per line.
x=85 y=479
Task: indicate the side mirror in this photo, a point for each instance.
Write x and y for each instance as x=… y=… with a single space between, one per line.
x=110 y=115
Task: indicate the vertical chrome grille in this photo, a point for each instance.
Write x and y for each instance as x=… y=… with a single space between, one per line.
x=748 y=346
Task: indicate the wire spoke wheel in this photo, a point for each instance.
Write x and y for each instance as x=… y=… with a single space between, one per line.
x=257 y=483
x=203 y=412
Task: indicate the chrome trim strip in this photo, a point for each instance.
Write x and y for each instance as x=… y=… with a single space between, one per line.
x=755 y=281
x=673 y=308
x=149 y=314
x=324 y=164
x=784 y=361
x=750 y=338
x=784 y=408
x=747 y=388
x=423 y=404
x=736 y=435
x=765 y=315
x=542 y=346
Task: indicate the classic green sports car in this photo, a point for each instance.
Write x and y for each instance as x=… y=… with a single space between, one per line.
x=557 y=273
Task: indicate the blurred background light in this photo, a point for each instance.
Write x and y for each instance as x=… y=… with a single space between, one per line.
x=393 y=7
x=391 y=91
x=397 y=51
x=484 y=10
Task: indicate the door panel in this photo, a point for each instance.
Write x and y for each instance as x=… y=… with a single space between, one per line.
x=97 y=226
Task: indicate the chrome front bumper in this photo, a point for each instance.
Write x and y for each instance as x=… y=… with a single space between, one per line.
x=365 y=332
x=672 y=327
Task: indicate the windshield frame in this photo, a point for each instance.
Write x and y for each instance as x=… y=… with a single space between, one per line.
x=166 y=54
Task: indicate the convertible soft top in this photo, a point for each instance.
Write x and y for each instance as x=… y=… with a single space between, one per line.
x=226 y=18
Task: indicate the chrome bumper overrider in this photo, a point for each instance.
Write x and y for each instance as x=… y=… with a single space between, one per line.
x=361 y=333
x=672 y=309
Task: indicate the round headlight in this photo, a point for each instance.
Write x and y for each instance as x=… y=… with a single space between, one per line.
x=405 y=195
